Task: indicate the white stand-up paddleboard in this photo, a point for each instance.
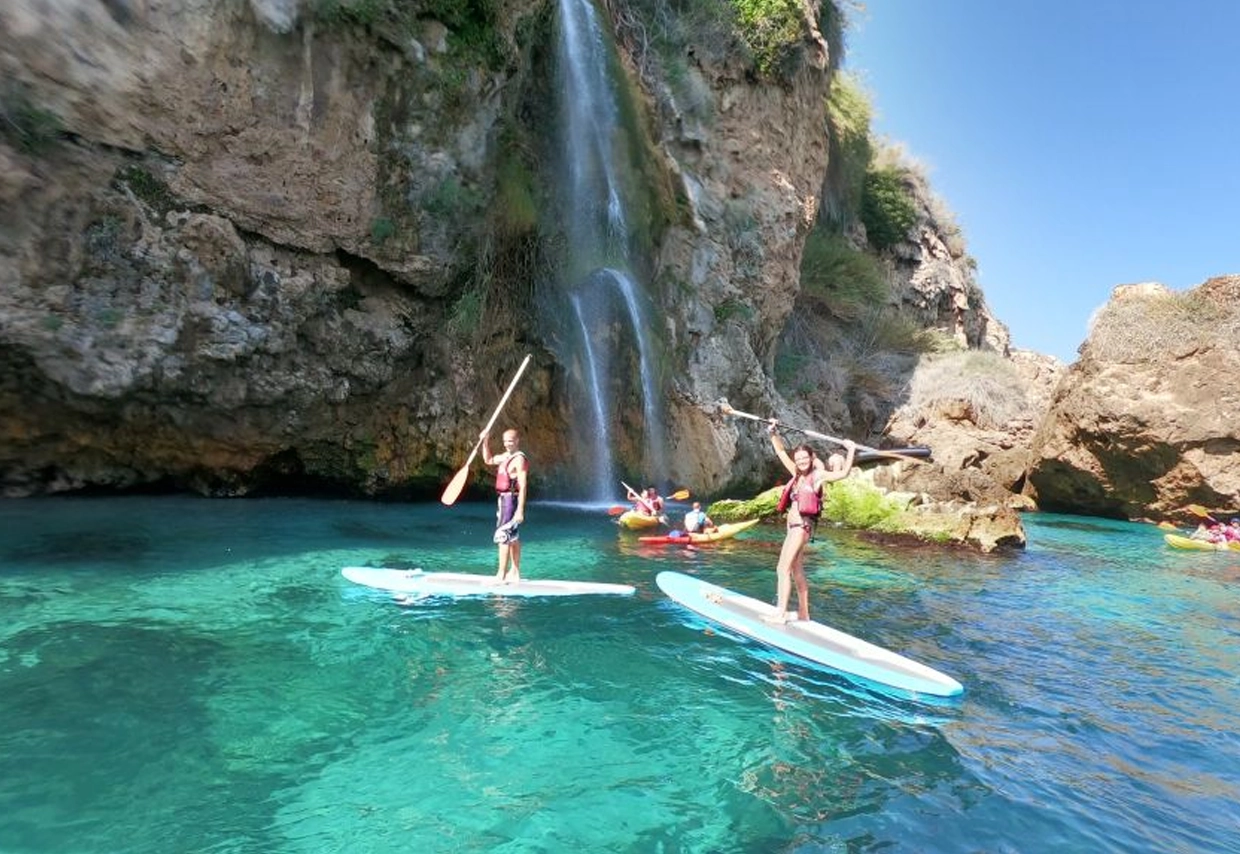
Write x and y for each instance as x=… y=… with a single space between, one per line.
x=420 y=583
x=805 y=638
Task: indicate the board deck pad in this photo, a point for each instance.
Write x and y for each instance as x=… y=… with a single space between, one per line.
x=421 y=583
x=805 y=639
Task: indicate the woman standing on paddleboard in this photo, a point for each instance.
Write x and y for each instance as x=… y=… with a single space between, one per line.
x=802 y=498
x=511 y=480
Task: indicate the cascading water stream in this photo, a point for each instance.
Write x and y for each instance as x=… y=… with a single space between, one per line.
x=651 y=409
x=599 y=256
x=603 y=472
x=589 y=120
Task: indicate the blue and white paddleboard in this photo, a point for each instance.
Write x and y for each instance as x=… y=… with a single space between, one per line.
x=420 y=583
x=805 y=639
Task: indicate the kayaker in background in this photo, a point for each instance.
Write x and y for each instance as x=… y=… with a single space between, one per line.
x=511 y=480
x=802 y=499
x=1215 y=532
x=648 y=503
x=1233 y=531
x=654 y=501
x=696 y=520
x=1200 y=533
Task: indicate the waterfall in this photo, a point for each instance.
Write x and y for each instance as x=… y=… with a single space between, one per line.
x=651 y=410
x=589 y=120
x=603 y=472
x=610 y=309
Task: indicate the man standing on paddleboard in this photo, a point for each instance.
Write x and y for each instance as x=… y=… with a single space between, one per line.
x=511 y=480
x=802 y=498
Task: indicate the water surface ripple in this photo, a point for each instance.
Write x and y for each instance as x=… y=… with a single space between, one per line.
x=180 y=674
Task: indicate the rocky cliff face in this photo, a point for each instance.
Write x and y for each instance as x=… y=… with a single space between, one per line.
x=729 y=273
x=850 y=379
x=268 y=244
x=978 y=412
x=236 y=245
x=1148 y=420
x=202 y=282
x=934 y=279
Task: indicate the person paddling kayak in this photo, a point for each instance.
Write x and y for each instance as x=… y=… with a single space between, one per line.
x=649 y=503
x=696 y=520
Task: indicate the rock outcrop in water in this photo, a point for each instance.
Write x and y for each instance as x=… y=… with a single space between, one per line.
x=1148 y=420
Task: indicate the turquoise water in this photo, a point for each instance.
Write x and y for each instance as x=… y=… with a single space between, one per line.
x=178 y=674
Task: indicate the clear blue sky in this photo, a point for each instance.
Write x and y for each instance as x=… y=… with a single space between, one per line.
x=1081 y=143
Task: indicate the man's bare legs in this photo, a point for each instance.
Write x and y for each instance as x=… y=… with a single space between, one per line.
x=509 y=553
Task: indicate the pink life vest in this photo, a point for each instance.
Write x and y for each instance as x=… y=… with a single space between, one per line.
x=809 y=500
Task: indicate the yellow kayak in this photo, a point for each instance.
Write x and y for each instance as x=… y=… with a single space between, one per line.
x=1177 y=541
x=634 y=521
x=726 y=531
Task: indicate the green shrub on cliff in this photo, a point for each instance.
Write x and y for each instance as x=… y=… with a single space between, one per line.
x=366 y=13
x=769 y=33
x=471 y=24
x=771 y=29
x=887 y=208
x=145 y=186
x=451 y=198
x=516 y=205
x=839 y=278
x=25 y=126
x=381 y=228
x=851 y=151
x=466 y=314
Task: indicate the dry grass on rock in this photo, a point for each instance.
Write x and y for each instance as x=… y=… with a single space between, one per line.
x=1158 y=324
x=981 y=386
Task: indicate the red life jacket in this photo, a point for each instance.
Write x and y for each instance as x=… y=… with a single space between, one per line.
x=505 y=482
x=809 y=500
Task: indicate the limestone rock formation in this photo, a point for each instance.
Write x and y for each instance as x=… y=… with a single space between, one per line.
x=980 y=437
x=846 y=383
x=934 y=277
x=986 y=528
x=239 y=240
x=218 y=268
x=732 y=269
x=1148 y=420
